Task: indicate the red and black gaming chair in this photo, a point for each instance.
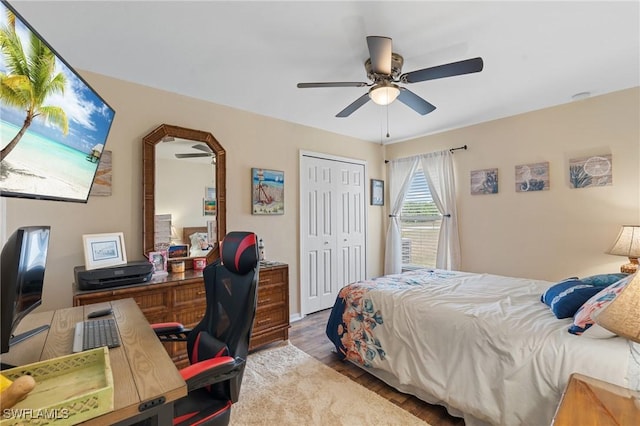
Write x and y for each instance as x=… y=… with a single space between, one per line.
x=219 y=344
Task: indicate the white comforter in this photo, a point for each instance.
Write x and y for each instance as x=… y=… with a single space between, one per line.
x=482 y=344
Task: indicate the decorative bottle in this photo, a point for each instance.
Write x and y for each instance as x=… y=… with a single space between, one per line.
x=261 y=249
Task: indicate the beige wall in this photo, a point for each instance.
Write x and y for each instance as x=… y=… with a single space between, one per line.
x=548 y=234
x=250 y=141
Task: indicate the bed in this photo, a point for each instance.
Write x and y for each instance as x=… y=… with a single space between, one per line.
x=482 y=345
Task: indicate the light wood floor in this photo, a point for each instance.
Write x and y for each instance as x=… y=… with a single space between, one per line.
x=308 y=335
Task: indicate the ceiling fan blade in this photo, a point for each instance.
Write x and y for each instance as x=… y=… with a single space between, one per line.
x=202 y=147
x=192 y=155
x=354 y=106
x=332 y=84
x=380 y=54
x=415 y=102
x=467 y=66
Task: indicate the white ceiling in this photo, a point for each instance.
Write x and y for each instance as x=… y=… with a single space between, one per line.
x=250 y=55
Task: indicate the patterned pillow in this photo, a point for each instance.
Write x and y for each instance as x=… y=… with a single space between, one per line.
x=567 y=296
x=584 y=317
x=603 y=280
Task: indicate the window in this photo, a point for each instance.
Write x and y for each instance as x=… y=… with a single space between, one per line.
x=419 y=225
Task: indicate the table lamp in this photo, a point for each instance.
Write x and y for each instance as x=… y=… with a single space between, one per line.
x=622 y=316
x=628 y=244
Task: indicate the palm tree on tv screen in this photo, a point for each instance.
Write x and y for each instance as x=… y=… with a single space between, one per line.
x=29 y=80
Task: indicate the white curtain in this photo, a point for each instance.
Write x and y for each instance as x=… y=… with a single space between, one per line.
x=438 y=170
x=400 y=173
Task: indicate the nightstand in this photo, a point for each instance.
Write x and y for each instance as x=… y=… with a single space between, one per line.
x=588 y=401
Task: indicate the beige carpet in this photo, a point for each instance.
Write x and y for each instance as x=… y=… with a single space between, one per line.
x=285 y=386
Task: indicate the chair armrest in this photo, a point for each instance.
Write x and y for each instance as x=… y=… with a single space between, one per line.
x=210 y=371
x=170 y=331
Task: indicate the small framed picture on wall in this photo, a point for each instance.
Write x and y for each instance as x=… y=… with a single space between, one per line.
x=377 y=192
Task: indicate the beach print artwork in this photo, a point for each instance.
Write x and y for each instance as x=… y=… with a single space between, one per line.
x=267 y=191
x=484 y=181
x=591 y=171
x=102 y=181
x=52 y=124
x=532 y=177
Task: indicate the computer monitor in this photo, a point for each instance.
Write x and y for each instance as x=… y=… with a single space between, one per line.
x=22 y=265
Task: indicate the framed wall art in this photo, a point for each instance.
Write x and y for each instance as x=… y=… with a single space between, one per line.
x=104 y=250
x=267 y=192
x=587 y=172
x=209 y=207
x=532 y=177
x=377 y=192
x=484 y=181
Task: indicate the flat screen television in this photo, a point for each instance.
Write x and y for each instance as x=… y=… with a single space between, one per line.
x=53 y=125
x=22 y=265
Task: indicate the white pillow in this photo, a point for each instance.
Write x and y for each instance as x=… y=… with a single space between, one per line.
x=596 y=331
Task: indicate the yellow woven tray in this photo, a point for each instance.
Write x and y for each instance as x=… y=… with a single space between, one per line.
x=69 y=389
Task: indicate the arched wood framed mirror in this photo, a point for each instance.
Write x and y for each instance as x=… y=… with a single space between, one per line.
x=178 y=163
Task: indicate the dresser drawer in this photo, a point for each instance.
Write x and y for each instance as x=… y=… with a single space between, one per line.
x=273 y=276
x=272 y=294
x=189 y=317
x=270 y=317
x=186 y=295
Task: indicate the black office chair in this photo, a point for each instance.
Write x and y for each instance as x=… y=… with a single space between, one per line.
x=219 y=344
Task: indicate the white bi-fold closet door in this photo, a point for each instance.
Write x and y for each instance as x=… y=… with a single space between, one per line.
x=332 y=227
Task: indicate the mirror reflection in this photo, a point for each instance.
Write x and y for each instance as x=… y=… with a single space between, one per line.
x=184 y=192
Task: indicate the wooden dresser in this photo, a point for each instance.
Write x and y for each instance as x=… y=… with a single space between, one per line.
x=588 y=401
x=181 y=298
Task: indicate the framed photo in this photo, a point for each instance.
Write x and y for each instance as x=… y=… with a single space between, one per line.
x=159 y=261
x=104 y=250
x=267 y=191
x=210 y=192
x=179 y=250
x=377 y=192
x=209 y=207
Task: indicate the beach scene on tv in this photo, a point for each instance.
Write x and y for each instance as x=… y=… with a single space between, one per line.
x=53 y=126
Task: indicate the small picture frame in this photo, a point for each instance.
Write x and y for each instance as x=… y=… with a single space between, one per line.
x=104 y=250
x=159 y=261
x=377 y=192
x=209 y=207
x=210 y=192
x=179 y=250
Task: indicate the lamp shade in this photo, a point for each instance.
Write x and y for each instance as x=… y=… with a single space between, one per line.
x=628 y=242
x=384 y=93
x=622 y=316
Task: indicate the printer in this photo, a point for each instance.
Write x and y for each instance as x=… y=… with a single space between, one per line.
x=131 y=273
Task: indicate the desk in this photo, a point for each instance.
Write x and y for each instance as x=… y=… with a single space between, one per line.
x=142 y=369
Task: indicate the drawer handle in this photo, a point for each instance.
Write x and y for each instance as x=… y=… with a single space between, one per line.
x=200 y=293
x=267 y=300
x=264 y=321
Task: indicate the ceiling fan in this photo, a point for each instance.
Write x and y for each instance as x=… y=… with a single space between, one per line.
x=206 y=152
x=384 y=69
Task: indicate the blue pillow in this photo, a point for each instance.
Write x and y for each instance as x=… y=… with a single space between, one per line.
x=604 y=280
x=566 y=297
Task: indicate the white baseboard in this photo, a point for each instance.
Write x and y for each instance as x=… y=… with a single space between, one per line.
x=295 y=317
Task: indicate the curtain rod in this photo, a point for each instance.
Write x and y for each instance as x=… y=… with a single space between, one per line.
x=450 y=150
x=460 y=147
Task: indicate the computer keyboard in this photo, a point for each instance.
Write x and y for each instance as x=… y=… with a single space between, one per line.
x=95 y=333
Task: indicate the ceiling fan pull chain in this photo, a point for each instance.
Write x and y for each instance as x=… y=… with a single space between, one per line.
x=387 y=120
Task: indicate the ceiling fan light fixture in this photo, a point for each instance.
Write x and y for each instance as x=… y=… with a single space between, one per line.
x=384 y=93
